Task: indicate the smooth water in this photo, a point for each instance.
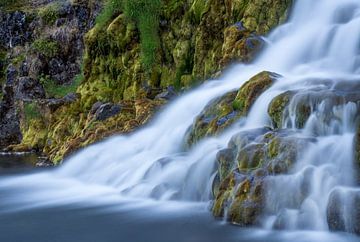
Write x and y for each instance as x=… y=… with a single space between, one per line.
x=321 y=41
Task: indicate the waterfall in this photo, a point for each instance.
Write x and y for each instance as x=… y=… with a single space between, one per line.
x=321 y=41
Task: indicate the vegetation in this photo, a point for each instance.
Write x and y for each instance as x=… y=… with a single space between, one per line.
x=145 y=13
x=111 y=8
x=46 y=47
x=10 y=5
x=58 y=91
x=31 y=111
x=2 y=65
x=50 y=13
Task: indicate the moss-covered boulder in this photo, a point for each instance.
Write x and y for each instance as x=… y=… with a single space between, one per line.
x=293 y=108
x=224 y=111
x=243 y=167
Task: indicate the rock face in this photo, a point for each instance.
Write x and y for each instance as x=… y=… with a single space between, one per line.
x=195 y=40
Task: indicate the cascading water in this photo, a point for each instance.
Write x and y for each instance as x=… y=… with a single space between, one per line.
x=321 y=41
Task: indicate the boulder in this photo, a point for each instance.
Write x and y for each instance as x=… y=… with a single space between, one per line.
x=224 y=111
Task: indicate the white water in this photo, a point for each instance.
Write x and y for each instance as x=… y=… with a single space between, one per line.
x=321 y=41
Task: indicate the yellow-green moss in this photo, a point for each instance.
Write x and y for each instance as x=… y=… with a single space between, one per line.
x=46 y=47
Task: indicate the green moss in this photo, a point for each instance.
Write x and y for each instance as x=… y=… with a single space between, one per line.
x=58 y=91
x=50 y=13
x=110 y=10
x=13 y=5
x=46 y=47
x=31 y=111
x=18 y=59
x=146 y=13
x=198 y=9
x=277 y=108
x=252 y=89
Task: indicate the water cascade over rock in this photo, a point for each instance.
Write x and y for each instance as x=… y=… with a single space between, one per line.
x=277 y=149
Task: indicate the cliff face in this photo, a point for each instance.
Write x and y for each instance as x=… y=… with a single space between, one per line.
x=134 y=61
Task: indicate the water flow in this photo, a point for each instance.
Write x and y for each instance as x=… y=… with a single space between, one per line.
x=320 y=42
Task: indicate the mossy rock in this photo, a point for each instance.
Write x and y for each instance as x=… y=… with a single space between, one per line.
x=252 y=89
x=243 y=167
x=224 y=111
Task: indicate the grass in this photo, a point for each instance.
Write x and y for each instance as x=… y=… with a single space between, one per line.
x=46 y=47
x=111 y=8
x=58 y=91
x=146 y=15
x=31 y=111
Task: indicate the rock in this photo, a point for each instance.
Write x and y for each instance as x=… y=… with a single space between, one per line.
x=342 y=211
x=10 y=132
x=13 y=29
x=53 y=104
x=239 y=45
x=106 y=111
x=252 y=89
x=29 y=89
x=252 y=156
x=95 y=107
x=293 y=108
x=224 y=111
x=169 y=94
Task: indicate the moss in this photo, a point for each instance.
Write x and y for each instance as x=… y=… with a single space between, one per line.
x=13 y=5
x=31 y=111
x=50 y=13
x=46 y=47
x=146 y=13
x=252 y=89
x=110 y=10
x=198 y=9
x=54 y=90
x=277 y=108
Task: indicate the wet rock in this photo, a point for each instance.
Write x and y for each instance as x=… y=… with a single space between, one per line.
x=342 y=210
x=243 y=167
x=293 y=108
x=240 y=44
x=106 y=111
x=224 y=111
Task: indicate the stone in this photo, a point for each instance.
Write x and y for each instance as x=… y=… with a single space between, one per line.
x=106 y=111
x=29 y=89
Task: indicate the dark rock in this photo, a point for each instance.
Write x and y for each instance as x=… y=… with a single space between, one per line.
x=343 y=210
x=106 y=111
x=95 y=107
x=10 y=132
x=169 y=94
x=29 y=89
x=13 y=29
